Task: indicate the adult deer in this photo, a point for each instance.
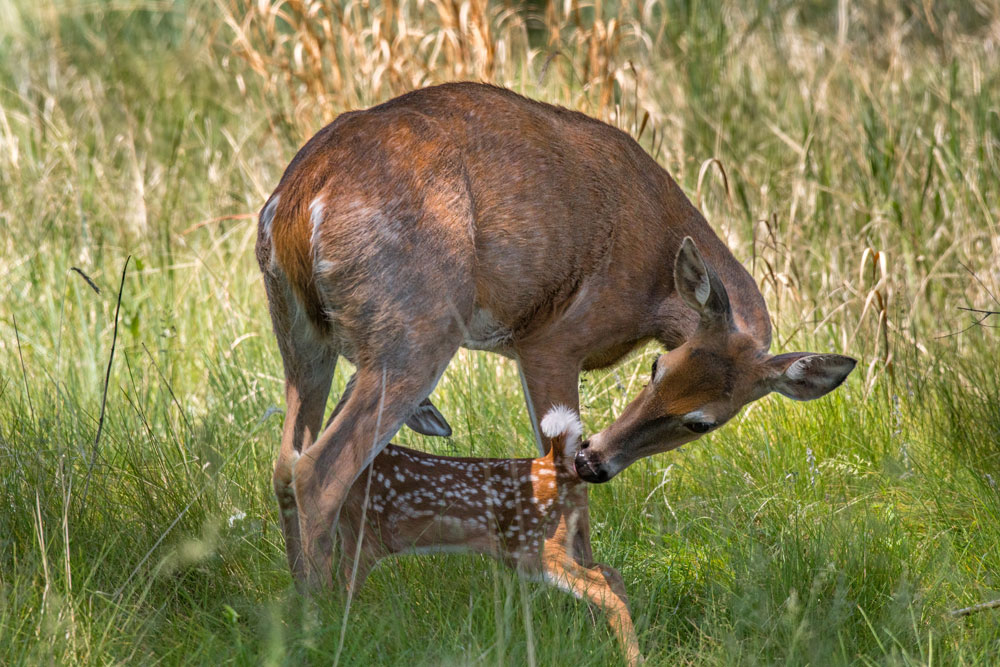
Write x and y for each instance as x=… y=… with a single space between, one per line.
x=467 y=215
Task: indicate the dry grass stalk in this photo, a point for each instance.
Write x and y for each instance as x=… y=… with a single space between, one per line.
x=327 y=57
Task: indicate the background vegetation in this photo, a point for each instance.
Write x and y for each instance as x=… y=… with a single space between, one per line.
x=848 y=152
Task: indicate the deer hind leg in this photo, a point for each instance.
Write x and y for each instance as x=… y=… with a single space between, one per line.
x=381 y=400
x=309 y=364
x=393 y=268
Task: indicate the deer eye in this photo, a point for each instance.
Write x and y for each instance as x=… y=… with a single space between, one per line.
x=699 y=427
x=654 y=368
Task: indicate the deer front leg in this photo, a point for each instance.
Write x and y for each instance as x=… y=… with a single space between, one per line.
x=549 y=376
x=602 y=586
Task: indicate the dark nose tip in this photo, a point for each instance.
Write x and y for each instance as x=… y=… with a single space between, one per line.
x=587 y=471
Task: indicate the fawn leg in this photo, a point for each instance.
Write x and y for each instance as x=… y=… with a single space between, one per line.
x=602 y=586
x=354 y=565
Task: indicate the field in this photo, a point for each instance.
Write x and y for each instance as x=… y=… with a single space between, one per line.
x=848 y=153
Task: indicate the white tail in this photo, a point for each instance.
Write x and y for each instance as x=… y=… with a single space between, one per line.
x=528 y=513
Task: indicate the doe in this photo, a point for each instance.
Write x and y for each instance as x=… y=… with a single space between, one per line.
x=465 y=215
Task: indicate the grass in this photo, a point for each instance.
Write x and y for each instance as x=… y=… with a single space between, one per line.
x=859 y=147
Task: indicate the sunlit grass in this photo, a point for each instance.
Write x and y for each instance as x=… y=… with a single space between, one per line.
x=860 y=152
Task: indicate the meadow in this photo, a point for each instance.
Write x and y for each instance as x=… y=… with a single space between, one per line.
x=847 y=152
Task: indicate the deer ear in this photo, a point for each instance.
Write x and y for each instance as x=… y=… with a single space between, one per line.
x=700 y=286
x=804 y=376
x=427 y=420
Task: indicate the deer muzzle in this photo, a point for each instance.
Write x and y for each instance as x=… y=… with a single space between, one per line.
x=588 y=467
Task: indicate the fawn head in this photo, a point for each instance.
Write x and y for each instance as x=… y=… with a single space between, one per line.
x=699 y=386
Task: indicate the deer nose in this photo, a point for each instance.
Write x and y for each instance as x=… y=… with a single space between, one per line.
x=585 y=444
x=588 y=472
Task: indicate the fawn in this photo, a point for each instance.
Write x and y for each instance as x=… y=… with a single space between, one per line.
x=531 y=514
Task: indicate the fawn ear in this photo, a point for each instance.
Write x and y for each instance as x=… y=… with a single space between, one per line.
x=427 y=420
x=805 y=376
x=700 y=287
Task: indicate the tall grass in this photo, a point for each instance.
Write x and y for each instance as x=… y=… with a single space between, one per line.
x=847 y=153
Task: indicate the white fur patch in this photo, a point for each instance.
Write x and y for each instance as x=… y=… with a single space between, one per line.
x=698 y=416
x=561 y=420
x=324 y=267
x=703 y=290
x=813 y=376
x=661 y=370
x=316 y=216
x=798 y=370
x=267 y=215
x=295 y=459
x=824 y=368
x=267 y=219
x=691 y=266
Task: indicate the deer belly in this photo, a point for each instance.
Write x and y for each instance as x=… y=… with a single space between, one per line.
x=484 y=332
x=441 y=534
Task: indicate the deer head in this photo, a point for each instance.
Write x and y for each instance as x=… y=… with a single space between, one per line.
x=699 y=386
